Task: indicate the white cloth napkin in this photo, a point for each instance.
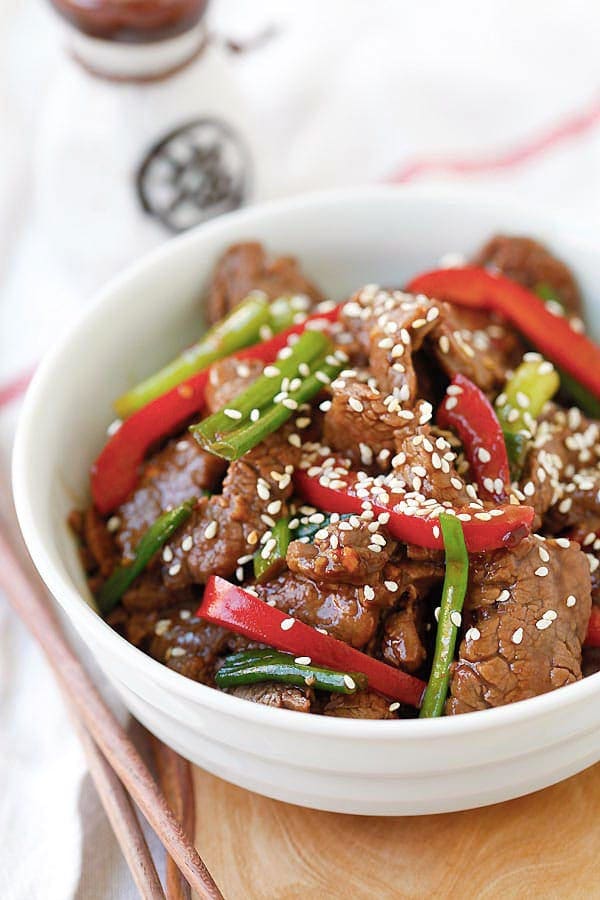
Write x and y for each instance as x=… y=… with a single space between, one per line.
x=501 y=95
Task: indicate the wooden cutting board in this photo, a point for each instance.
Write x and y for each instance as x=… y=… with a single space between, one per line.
x=541 y=846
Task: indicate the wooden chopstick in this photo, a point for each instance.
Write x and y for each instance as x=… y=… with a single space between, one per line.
x=28 y=597
x=122 y=817
x=176 y=781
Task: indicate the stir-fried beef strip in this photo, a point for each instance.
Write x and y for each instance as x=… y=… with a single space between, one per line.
x=181 y=471
x=227 y=527
x=527 y=607
x=364 y=705
x=526 y=611
x=531 y=264
x=475 y=344
x=244 y=268
x=279 y=695
x=561 y=476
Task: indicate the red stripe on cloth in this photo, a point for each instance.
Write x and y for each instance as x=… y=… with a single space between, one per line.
x=14 y=389
x=573 y=126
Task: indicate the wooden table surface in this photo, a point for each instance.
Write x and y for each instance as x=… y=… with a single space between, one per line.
x=541 y=846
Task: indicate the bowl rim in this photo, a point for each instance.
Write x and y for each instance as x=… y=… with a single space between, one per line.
x=76 y=607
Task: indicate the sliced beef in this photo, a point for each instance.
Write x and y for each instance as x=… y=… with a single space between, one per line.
x=348 y=552
x=561 y=476
x=244 y=268
x=272 y=694
x=228 y=526
x=530 y=263
x=148 y=593
x=175 y=637
x=476 y=344
x=358 y=423
x=401 y=643
x=426 y=464
x=99 y=542
x=362 y=705
x=524 y=630
x=180 y=471
x=228 y=378
x=342 y=610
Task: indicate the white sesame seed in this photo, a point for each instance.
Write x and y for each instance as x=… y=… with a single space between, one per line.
x=503 y=596
x=210 y=530
x=175 y=569
x=263 y=490
x=451 y=402
x=394 y=706
x=271 y=371
x=184 y=614
x=571 y=600
x=161 y=626
x=542 y=571
x=177 y=651
x=294 y=440
x=550 y=614
x=355 y=404
x=436 y=613
x=286 y=624
x=350 y=682
x=517 y=636
x=391 y=585
x=167 y=555
x=325 y=406
x=274 y=507
x=113 y=524
x=522 y=400
x=187 y=543
x=544 y=555
x=368 y=592
x=232 y=413
x=473 y=634
x=565 y=543
x=542 y=624
x=456 y=618
x=529 y=489
x=303 y=660
x=483 y=455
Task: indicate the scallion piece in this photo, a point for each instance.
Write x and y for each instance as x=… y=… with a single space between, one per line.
x=153 y=539
x=255 y=666
x=453 y=597
x=270 y=559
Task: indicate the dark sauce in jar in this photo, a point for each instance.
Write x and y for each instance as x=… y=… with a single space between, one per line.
x=132 y=21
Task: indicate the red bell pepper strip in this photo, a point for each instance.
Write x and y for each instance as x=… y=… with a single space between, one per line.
x=234 y=608
x=592 y=638
x=114 y=474
x=505 y=530
x=467 y=411
x=552 y=335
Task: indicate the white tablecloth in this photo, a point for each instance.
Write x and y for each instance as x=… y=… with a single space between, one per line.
x=501 y=95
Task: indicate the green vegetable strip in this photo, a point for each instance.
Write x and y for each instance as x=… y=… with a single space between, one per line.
x=153 y=539
x=255 y=666
x=266 y=567
x=453 y=596
x=582 y=397
x=233 y=445
x=524 y=397
x=309 y=529
x=239 y=329
x=262 y=391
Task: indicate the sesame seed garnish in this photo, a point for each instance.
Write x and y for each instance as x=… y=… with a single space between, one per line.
x=565 y=543
x=210 y=530
x=167 y=555
x=232 y=413
x=368 y=592
x=544 y=555
x=456 y=618
x=503 y=596
x=436 y=613
x=394 y=706
x=175 y=568
x=517 y=636
x=177 y=651
x=541 y=571
x=274 y=507
x=113 y=524
x=550 y=614
x=254 y=415
x=161 y=626
x=571 y=600
x=541 y=624
x=391 y=585
x=263 y=490
x=483 y=455
x=286 y=624
x=355 y=404
x=187 y=543
x=294 y=440
x=529 y=489
x=303 y=660
x=444 y=344
x=473 y=634
x=271 y=371
x=522 y=400
x=290 y=403
x=349 y=682
x=451 y=402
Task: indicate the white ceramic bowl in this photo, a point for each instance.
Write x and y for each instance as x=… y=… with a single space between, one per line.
x=344 y=240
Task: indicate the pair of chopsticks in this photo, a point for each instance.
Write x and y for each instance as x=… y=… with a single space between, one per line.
x=119 y=772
